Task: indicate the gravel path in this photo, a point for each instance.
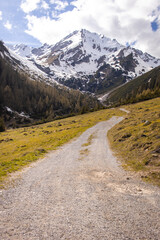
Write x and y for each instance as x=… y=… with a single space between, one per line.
x=79 y=192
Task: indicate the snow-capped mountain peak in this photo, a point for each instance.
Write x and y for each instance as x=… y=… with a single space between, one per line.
x=81 y=52
x=85 y=60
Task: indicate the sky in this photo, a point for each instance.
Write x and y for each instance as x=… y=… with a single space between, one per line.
x=35 y=22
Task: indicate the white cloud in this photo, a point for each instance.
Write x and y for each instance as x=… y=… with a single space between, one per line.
x=125 y=20
x=29 y=5
x=0 y=15
x=8 y=25
x=45 y=5
x=60 y=5
x=55 y=14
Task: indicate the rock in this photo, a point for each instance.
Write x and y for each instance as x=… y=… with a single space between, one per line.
x=147 y=162
x=147 y=123
x=154 y=155
x=157 y=150
x=143 y=135
x=8 y=139
x=143 y=176
x=139 y=190
x=127 y=135
x=41 y=150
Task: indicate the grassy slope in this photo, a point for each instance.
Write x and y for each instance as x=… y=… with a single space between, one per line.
x=137 y=139
x=22 y=146
x=128 y=92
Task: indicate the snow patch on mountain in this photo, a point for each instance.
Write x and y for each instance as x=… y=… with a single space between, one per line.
x=82 y=54
x=26 y=62
x=27 y=65
x=21 y=49
x=22 y=114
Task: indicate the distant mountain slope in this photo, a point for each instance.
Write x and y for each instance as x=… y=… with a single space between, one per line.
x=36 y=100
x=144 y=87
x=16 y=56
x=88 y=61
x=21 y=49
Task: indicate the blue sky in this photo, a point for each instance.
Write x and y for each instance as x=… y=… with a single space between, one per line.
x=34 y=22
x=155 y=25
x=13 y=23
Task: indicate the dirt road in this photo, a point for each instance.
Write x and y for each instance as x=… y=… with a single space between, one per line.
x=80 y=192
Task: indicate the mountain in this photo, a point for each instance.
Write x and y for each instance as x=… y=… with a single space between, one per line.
x=88 y=61
x=18 y=57
x=27 y=100
x=21 y=49
x=142 y=88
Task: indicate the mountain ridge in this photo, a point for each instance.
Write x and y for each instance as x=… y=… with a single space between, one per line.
x=89 y=61
x=26 y=100
x=139 y=89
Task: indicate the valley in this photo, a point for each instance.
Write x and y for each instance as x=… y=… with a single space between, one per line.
x=20 y=147
x=80 y=191
x=30 y=95
x=79 y=120
x=52 y=82
x=135 y=139
x=65 y=79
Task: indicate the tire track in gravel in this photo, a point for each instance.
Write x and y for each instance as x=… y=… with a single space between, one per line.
x=80 y=192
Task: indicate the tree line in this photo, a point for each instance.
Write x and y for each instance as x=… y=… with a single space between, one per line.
x=39 y=100
x=142 y=88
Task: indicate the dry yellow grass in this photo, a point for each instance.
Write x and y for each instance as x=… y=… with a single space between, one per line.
x=136 y=139
x=22 y=146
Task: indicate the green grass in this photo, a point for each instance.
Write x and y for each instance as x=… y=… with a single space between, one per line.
x=146 y=86
x=89 y=140
x=84 y=151
x=136 y=139
x=22 y=146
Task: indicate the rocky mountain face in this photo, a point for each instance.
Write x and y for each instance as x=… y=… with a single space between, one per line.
x=26 y=100
x=21 y=49
x=86 y=61
x=21 y=58
x=144 y=87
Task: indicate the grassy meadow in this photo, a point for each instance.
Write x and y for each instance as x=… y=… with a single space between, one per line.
x=19 y=147
x=136 y=140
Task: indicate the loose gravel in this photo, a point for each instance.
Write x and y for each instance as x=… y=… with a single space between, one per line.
x=80 y=192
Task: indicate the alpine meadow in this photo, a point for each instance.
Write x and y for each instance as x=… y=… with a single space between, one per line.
x=80 y=120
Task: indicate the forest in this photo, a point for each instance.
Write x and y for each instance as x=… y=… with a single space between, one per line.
x=39 y=100
x=142 y=88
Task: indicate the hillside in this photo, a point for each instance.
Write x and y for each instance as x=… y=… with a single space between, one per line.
x=32 y=100
x=136 y=140
x=142 y=88
x=22 y=146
